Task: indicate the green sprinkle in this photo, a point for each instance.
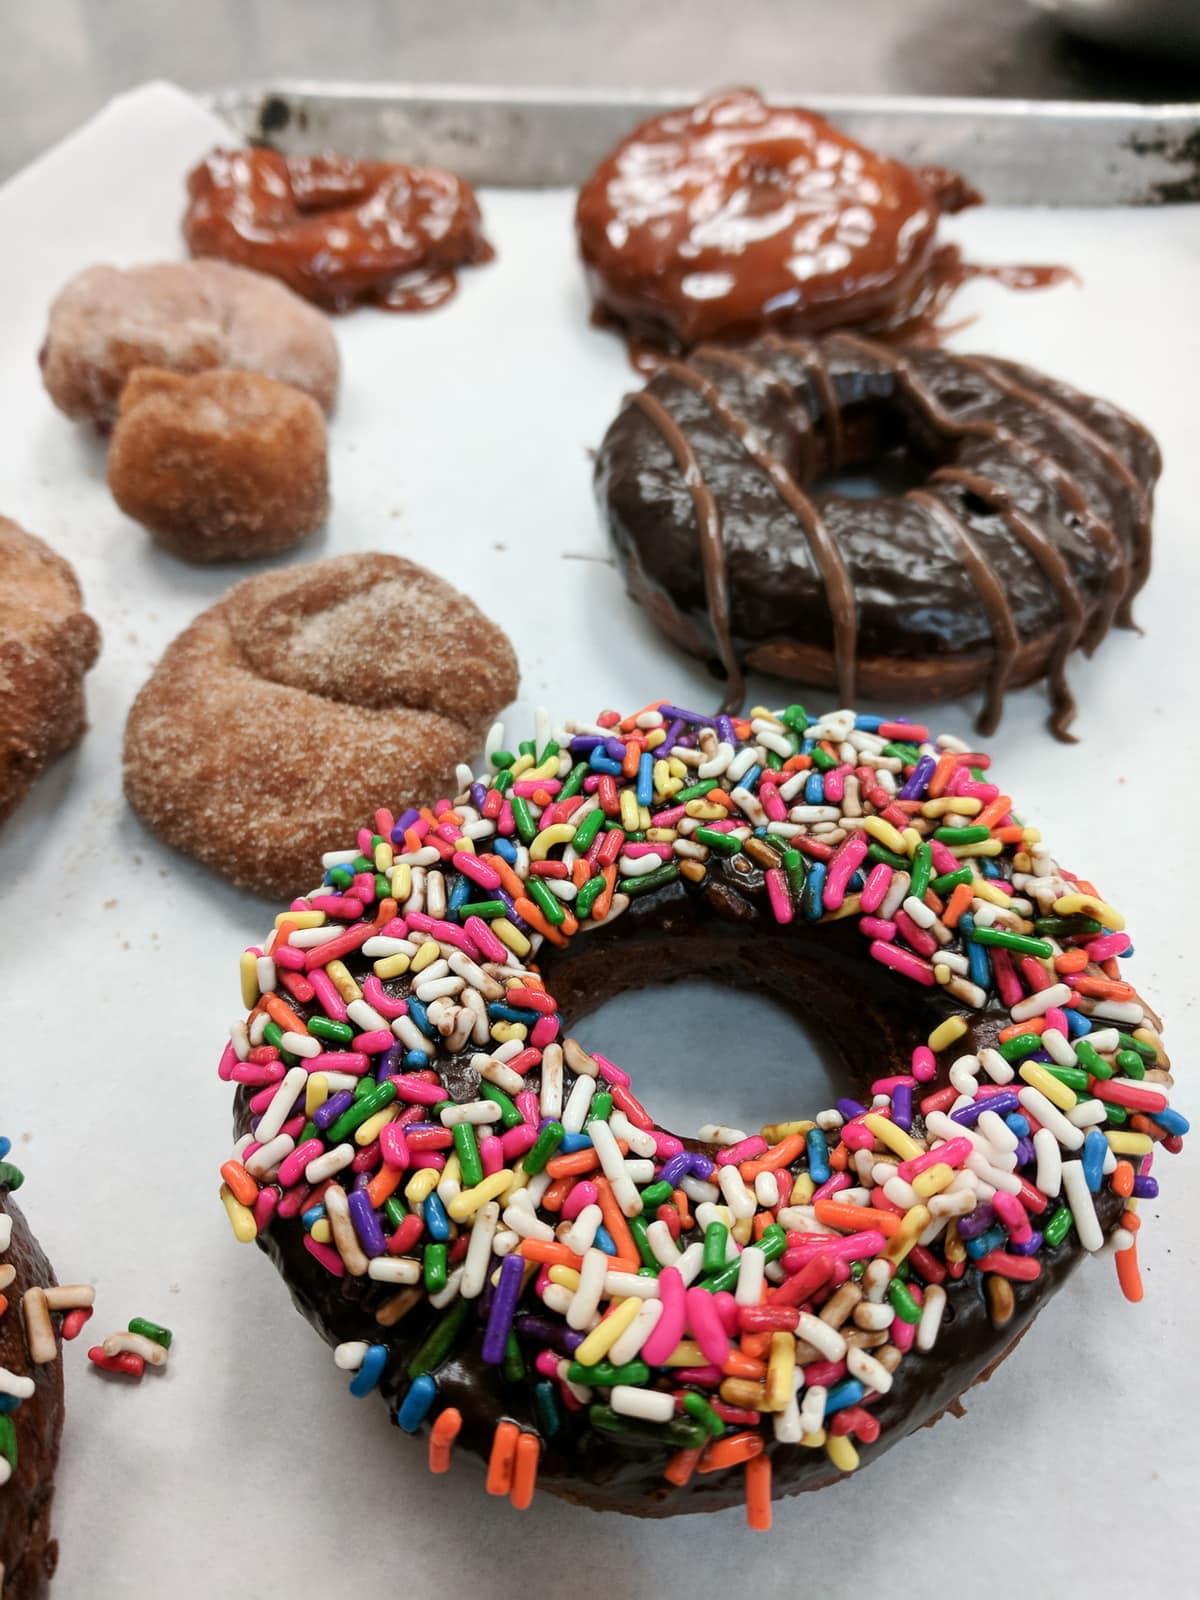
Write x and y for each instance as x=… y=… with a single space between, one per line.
x=550 y=748
x=587 y=896
x=548 y=904
x=773 y=1242
x=509 y=1115
x=637 y=1227
x=467 y=1146
x=601 y=1108
x=678 y=1434
x=273 y=1033
x=1074 y=1077
x=487 y=909
x=546 y=1143
x=795 y=871
x=523 y=817
x=715 y=1236
x=333 y=1032
x=513 y=1363
x=365 y=1107
x=503 y=781
x=603 y=1375
x=1024 y=1044
x=962 y=835
x=879 y=852
x=658 y=1194
x=11 y=1177
x=1091 y=1058
x=394 y=1210
x=774 y=761
x=903 y=1304
x=1131 y=1064
x=8 y=1441
x=1059 y=1225
x=720 y=1282
x=435 y=1268
x=796 y=718
x=922 y=870
x=949 y=881
x=574 y=782
x=698 y=1408
x=1147 y=1051
x=545 y=1403
x=908 y=753
x=1065 y=927
x=657 y=879
x=720 y=842
x=151 y=1330
x=587 y=831
x=1020 y=943
x=697 y=791
x=823 y=761
x=527 y=748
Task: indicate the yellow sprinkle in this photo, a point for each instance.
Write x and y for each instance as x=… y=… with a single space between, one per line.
x=704 y=810
x=502 y=1032
x=695 y=871
x=316 y=1092
x=814 y=1440
x=565 y=1277
x=1087 y=905
x=850 y=907
x=946 y=1033
x=744 y=1392
x=958 y=805
x=643 y=817
x=677 y=768
x=548 y=769
x=933 y=1180
x=1031 y=835
x=560 y=833
x=384 y=855
x=426 y=955
x=465 y=847
x=983 y=890
x=687 y=1353
x=781 y=1369
x=1036 y=1076
x=841 y=1452
x=765 y=714
x=742 y=1230
x=522 y=765
x=1022 y=861
x=953 y=1247
x=916 y=1220
x=343 y=981
x=802 y=1190
x=301 y=919
x=655 y=737
x=893 y=1137
x=777 y=1132
x=391 y=966
x=661 y=835
x=606 y=1333
x=468 y=1202
x=248 y=973
x=510 y=936
x=629 y=811
x=1148 y=1036
x=370 y=1130
x=889 y=837
x=912 y=838
x=985 y=847
x=321 y=1232
x=401 y=881
x=941 y=972
x=661 y=775
x=241 y=1218
x=422 y=1184
x=1129 y=1144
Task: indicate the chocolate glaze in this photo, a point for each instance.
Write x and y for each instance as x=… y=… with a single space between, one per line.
x=869 y=1017
x=719 y=219
x=28 y=1553
x=1026 y=533
x=339 y=232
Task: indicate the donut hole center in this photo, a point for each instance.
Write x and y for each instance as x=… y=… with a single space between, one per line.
x=884 y=453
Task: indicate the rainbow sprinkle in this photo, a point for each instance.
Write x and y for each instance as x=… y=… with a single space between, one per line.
x=751 y=1291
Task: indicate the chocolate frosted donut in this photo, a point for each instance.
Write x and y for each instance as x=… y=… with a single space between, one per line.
x=730 y=214
x=31 y=1408
x=1023 y=532
x=481 y=1215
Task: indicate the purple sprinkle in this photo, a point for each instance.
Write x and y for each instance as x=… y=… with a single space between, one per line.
x=328 y=1113
x=391 y=1062
x=1001 y=1103
x=403 y=823
x=543 y=1331
x=584 y=743
x=725 y=729
x=361 y=1180
x=1025 y=1152
x=902 y=1106
x=915 y=786
x=701 y=1166
x=1145 y=1188
x=694 y=717
x=478 y=795
x=504 y=1304
x=366 y=1224
x=514 y=916
x=976 y=1222
x=676 y=1168
x=672 y=734
x=615 y=749
x=851 y=1109
x=1028 y=1247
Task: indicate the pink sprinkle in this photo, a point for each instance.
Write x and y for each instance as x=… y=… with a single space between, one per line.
x=669 y=817
x=545 y=1031
x=480 y=872
x=337 y=905
x=387 y=1005
x=326 y=1255
x=835 y=784
x=293 y=1126
x=702 y=1377
x=727 y=1309
x=923 y=943
x=772 y=804
x=1013 y=1215
x=856 y=1136
x=528 y=787
x=886 y=1086
x=295 y=1201
x=707 y=1329
x=633 y=851
x=924 y=1064
x=528 y=1105
x=1035 y=974
x=352 y=1061
x=1007 y=982
x=903 y=1333
x=517 y=1140
x=666 y=1145
x=779 y=895
x=668 y=1330
x=291 y=1168
x=1057 y=1019
x=853 y=1247
x=286 y=955
x=331 y=1001
x=1112 y=944
x=876 y=887
x=393 y=1147
x=505 y=825
x=428 y=1161
x=846 y=862
x=824 y=1374
x=373 y=1041
x=546 y=1362
x=418 y=1091
x=265 y=1206
x=944 y=860
x=489 y=946
x=491 y=1155
x=256 y=1073
x=745 y=1150
x=877 y=927
x=227 y=1063
x=951 y=1154
x=582 y=1194
x=609 y=1071
x=832 y=1185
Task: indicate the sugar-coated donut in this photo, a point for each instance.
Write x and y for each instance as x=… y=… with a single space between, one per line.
x=481 y=1215
x=272 y=722
x=1017 y=531
x=219 y=465
x=47 y=643
x=185 y=316
x=31 y=1401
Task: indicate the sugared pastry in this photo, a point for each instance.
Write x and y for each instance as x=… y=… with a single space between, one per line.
x=1017 y=526
x=47 y=643
x=219 y=466
x=730 y=215
x=340 y=232
x=31 y=1400
x=481 y=1214
x=184 y=316
x=274 y=721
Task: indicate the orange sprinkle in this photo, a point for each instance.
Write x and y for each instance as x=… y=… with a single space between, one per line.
x=508 y=877
x=525 y=1470
x=573 y=1165
x=681 y=1466
x=680 y=1201
x=935 y=902
x=1071 y=961
x=441 y=1438
x=1128 y=1275
x=580 y=872
x=551 y=1253
x=738 y=1365
x=279 y=1011
x=758 y=1493
x=854 y=1219
x=762 y=1221
x=629 y=761
x=558 y=1191
x=958 y=902
x=384 y=1184
x=1122 y=1179
x=630 y=722
x=1130 y=1221
x=387 y=910
x=241 y=1185
x=614 y=1220
x=529 y=913
x=1143 y=1124
x=995 y=811
x=412 y=841
x=755 y=1346
x=942 y=774
x=1104 y=988
x=4 y=1308
x=839 y=1157
x=284 y=932
x=779 y=1155
x=602 y=904
x=1015 y=1029
x=1012 y=835
x=730 y=1451
x=502 y=1460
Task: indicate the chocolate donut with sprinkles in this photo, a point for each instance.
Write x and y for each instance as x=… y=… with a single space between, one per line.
x=479 y=1211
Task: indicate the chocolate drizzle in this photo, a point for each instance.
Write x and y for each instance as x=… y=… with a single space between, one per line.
x=1039 y=495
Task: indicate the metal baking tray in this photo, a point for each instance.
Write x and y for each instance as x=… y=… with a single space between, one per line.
x=1019 y=152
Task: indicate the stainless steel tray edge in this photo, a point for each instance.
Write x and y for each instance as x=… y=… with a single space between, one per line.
x=1019 y=152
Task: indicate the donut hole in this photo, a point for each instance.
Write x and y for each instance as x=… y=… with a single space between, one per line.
x=884 y=451
x=891 y=474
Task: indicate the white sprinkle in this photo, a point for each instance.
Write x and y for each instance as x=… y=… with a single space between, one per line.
x=1083 y=1209
x=394 y=1269
x=648 y=1404
x=1070 y=1137
x=932 y=1310
x=349 y=1357
x=863 y=1366
x=827 y=1341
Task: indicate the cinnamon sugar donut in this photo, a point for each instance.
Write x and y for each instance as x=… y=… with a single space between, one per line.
x=186 y=316
x=47 y=643
x=219 y=465
x=274 y=720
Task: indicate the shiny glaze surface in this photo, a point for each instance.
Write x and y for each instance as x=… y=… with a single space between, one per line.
x=871 y=1016
x=731 y=214
x=1024 y=533
x=339 y=232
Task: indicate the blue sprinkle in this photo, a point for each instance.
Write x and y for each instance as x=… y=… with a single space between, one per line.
x=312 y=1215
x=812 y=897
x=605 y=1241
x=814 y=789
x=416 y=1403
x=458 y=897
x=572 y=1142
x=868 y=724
x=415 y=1060
x=505 y=848
x=601 y=761
x=419 y=1013
x=499 y=1012
x=1077 y=1024
x=847 y=1393
x=5 y=1147
x=751 y=777
x=436 y=1220
x=818 y=1156
x=368 y=1375
x=993 y=1239
x=1017 y=1124
x=1171 y=1121
x=8 y=1402
x=645 y=779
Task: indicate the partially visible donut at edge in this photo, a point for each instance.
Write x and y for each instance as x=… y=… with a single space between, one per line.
x=275 y=721
x=47 y=643
x=185 y=316
x=220 y=465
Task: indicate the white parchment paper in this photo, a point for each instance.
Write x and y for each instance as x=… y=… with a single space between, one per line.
x=461 y=441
